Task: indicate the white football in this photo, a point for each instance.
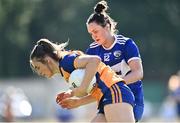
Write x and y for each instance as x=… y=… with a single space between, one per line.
x=76 y=77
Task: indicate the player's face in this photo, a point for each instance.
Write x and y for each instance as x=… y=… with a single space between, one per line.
x=43 y=69
x=98 y=33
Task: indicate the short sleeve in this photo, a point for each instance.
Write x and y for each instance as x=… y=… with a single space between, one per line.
x=67 y=63
x=90 y=51
x=87 y=51
x=131 y=51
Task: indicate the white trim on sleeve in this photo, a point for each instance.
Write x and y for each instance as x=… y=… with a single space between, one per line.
x=134 y=58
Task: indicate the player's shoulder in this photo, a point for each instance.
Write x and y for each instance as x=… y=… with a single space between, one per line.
x=94 y=45
x=122 y=40
x=77 y=52
x=71 y=54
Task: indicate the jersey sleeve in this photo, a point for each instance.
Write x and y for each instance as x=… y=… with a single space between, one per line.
x=131 y=51
x=89 y=51
x=68 y=62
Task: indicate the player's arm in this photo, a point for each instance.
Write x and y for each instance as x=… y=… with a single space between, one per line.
x=136 y=71
x=70 y=103
x=95 y=95
x=90 y=63
x=132 y=56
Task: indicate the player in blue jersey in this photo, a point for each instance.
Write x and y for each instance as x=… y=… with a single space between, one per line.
x=114 y=97
x=117 y=51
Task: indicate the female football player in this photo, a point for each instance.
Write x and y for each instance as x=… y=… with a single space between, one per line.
x=114 y=98
x=117 y=51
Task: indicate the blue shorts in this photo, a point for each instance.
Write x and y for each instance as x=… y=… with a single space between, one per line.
x=117 y=93
x=137 y=89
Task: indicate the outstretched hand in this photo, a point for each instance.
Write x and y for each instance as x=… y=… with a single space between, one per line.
x=70 y=103
x=63 y=95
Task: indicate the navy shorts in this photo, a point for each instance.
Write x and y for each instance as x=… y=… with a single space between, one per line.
x=137 y=89
x=117 y=93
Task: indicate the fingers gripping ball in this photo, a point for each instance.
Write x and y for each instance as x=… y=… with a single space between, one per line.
x=76 y=78
x=60 y=97
x=63 y=95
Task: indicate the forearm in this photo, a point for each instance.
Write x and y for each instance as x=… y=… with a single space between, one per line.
x=132 y=77
x=136 y=72
x=73 y=102
x=86 y=100
x=90 y=70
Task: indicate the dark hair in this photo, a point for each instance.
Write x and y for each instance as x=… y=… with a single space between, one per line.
x=101 y=17
x=42 y=49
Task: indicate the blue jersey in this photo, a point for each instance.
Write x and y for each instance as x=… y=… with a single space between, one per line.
x=122 y=51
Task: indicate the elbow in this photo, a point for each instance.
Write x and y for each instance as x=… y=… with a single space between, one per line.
x=96 y=60
x=141 y=74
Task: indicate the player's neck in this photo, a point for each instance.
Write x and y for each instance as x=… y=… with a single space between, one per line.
x=109 y=42
x=55 y=65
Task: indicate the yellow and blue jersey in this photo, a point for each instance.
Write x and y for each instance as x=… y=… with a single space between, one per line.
x=105 y=76
x=66 y=64
x=110 y=88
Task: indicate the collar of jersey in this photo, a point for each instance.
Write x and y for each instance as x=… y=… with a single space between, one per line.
x=112 y=44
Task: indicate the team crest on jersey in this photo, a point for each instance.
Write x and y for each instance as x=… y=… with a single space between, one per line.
x=117 y=53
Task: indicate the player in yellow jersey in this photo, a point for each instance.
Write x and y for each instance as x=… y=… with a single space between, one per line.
x=115 y=99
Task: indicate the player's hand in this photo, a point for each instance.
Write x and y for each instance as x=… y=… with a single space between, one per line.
x=59 y=97
x=70 y=103
x=63 y=95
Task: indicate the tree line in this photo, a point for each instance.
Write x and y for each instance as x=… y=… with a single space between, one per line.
x=152 y=24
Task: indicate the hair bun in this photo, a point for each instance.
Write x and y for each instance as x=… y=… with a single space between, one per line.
x=100 y=7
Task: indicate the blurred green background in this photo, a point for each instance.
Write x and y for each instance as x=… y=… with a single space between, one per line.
x=153 y=24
